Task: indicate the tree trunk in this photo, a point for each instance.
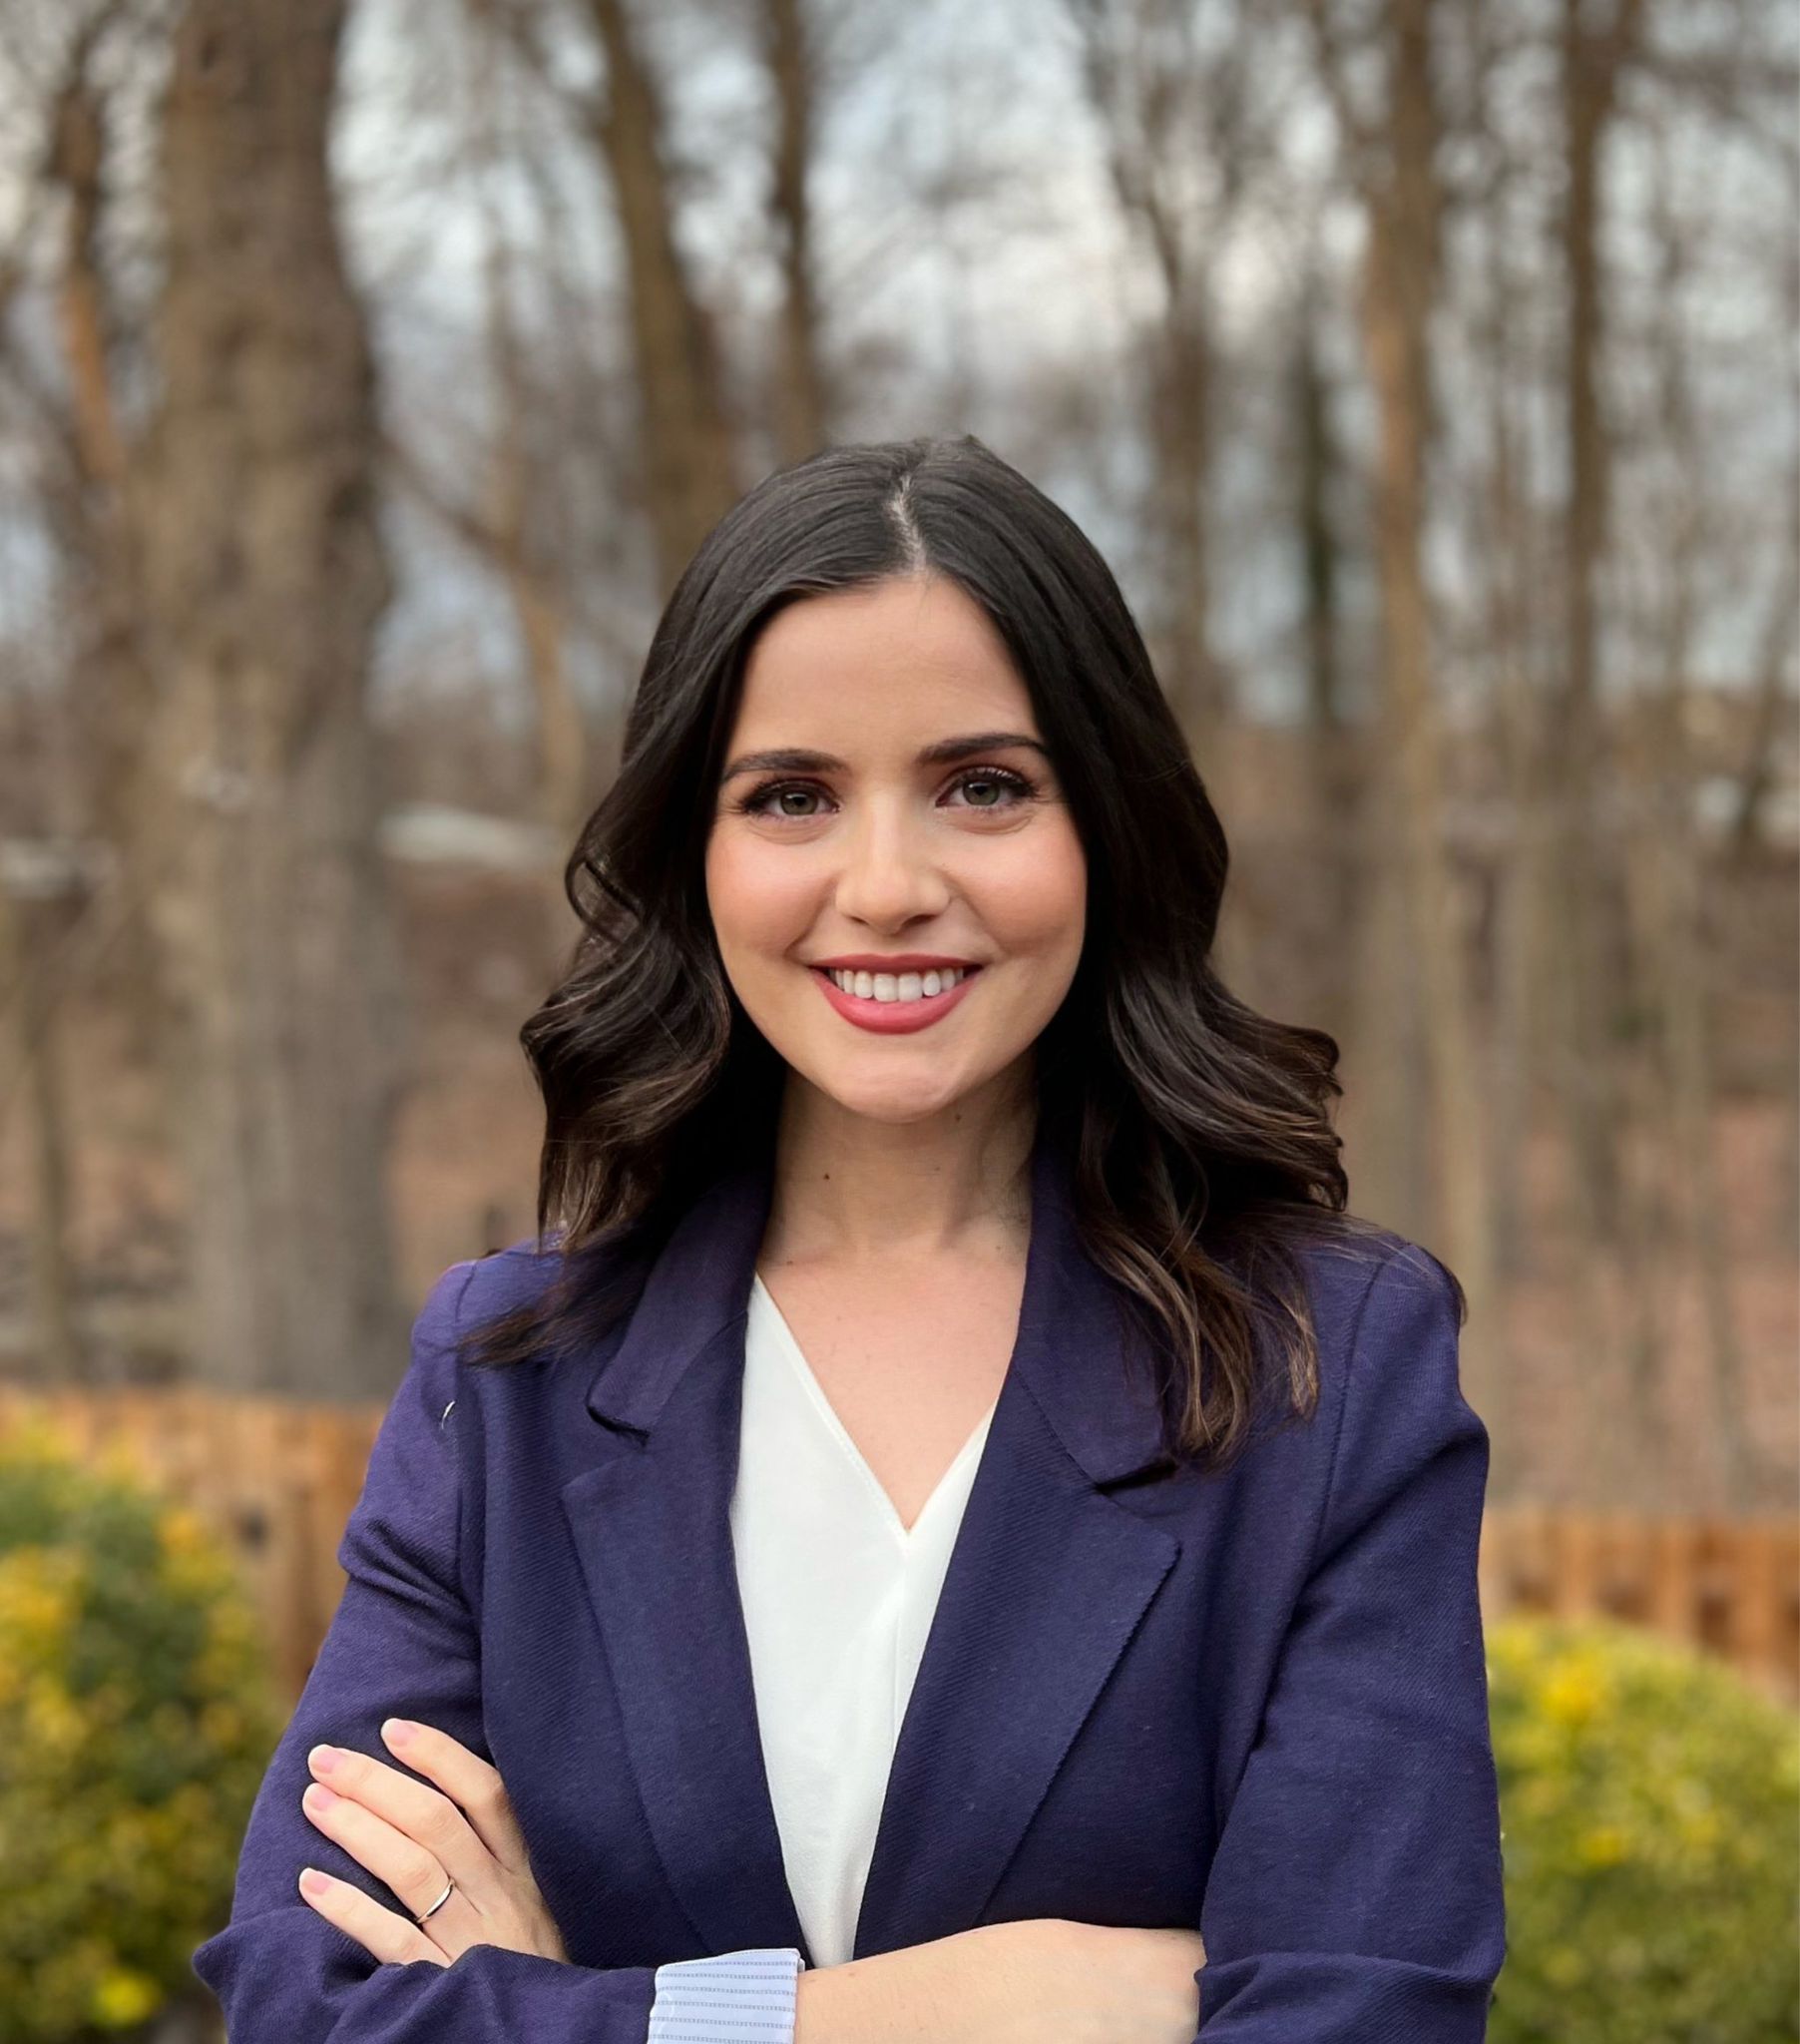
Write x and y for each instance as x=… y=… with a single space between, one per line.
x=267 y=577
x=1517 y=976
x=1167 y=109
x=1180 y=440
x=517 y=500
x=109 y=683
x=1577 y=906
x=32 y=1087
x=802 y=404
x=1666 y=871
x=1398 y=290
x=688 y=450
x=1339 y=830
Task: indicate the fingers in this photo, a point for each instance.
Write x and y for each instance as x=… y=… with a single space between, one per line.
x=412 y=1836
x=472 y=1783
x=464 y=1824
x=415 y=1875
x=390 y=1938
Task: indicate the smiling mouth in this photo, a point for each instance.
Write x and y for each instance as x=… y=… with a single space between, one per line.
x=896 y=990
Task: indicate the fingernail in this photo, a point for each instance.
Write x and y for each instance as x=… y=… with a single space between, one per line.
x=319 y=1796
x=397 y=1731
x=325 y=1758
x=314 y=1882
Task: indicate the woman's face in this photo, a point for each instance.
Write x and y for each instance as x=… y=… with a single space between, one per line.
x=916 y=823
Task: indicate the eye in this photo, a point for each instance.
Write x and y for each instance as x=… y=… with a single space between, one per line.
x=1012 y=788
x=756 y=802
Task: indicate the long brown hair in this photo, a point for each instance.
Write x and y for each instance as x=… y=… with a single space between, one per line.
x=1199 y=1131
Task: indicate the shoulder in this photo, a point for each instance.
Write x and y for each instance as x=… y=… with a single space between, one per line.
x=1387 y=1315
x=503 y=1281
x=517 y=1314
x=481 y=1289
x=459 y=1300
x=1352 y=1285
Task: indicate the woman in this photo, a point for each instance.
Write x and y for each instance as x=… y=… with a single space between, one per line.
x=954 y=1530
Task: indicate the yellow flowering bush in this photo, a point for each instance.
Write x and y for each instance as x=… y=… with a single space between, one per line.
x=1650 y=1832
x=136 y=1715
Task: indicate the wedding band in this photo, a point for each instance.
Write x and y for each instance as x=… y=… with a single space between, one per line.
x=439 y=1904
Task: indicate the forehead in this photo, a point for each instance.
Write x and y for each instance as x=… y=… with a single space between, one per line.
x=897 y=656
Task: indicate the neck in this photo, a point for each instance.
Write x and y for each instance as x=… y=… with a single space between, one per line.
x=848 y=1187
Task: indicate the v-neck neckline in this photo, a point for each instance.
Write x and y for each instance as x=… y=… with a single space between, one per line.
x=815 y=1391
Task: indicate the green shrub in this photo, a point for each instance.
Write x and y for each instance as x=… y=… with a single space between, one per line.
x=1650 y=1830
x=136 y=1715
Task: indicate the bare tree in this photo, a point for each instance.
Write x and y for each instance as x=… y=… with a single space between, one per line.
x=1393 y=153
x=35 y=1090
x=1665 y=873
x=1172 y=87
x=1593 y=57
x=267 y=577
x=1335 y=784
x=86 y=500
x=802 y=406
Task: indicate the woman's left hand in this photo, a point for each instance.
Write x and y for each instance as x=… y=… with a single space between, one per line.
x=416 y=1838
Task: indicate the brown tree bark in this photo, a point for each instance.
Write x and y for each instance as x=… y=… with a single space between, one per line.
x=1517 y=948
x=96 y=514
x=33 y=1089
x=1158 y=104
x=267 y=577
x=803 y=401
x=535 y=592
x=1396 y=162
x=689 y=456
x=1589 y=1062
x=1339 y=818
x=1666 y=871
x=1756 y=779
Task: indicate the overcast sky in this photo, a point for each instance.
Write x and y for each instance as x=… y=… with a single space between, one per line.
x=971 y=250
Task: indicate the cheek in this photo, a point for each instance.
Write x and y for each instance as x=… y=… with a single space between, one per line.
x=1034 y=901
x=757 y=904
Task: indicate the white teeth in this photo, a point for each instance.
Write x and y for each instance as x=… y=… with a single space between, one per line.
x=902 y=986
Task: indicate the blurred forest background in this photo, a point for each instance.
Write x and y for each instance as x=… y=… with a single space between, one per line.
x=1426 y=369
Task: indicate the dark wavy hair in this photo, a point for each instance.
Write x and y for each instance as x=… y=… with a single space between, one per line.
x=1199 y=1131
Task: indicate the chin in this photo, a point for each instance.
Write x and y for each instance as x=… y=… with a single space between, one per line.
x=892 y=1100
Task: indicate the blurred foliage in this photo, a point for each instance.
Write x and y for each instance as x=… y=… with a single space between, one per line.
x=1650 y=1830
x=136 y=1716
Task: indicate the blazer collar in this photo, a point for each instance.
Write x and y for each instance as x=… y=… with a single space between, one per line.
x=1048 y=1582
x=1069 y=1352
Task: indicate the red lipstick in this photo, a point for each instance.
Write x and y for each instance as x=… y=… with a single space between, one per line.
x=893 y=1018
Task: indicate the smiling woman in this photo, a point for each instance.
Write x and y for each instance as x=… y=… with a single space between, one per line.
x=950 y=1526
x=930 y=804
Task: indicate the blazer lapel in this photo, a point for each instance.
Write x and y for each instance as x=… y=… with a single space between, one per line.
x=1048 y=1580
x=652 y=1530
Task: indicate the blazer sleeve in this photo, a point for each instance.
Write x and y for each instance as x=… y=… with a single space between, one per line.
x=1356 y=1890
x=403 y=1641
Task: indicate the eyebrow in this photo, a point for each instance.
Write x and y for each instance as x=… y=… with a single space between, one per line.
x=795 y=760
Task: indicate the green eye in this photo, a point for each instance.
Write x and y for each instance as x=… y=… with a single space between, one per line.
x=1011 y=789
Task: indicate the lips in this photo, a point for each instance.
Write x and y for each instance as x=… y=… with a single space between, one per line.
x=899 y=962
x=894 y=1018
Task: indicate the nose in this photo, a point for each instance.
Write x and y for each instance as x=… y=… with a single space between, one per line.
x=890 y=874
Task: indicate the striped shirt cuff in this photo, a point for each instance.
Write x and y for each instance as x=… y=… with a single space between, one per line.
x=748 y=1996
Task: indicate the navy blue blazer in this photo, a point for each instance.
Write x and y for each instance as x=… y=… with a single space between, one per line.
x=1251 y=1702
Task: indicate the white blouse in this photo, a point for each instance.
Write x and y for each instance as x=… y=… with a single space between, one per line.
x=832 y=1669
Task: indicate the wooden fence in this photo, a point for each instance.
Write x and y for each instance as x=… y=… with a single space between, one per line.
x=279 y=1478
